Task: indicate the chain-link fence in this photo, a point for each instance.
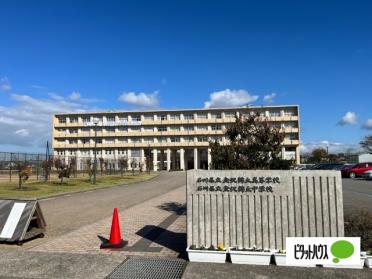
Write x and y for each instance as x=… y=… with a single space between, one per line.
x=43 y=165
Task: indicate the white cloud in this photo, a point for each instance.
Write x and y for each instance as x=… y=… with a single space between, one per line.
x=229 y=98
x=5 y=84
x=350 y=118
x=269 y=99
x=28 y=122
x=39 y=87
x=333 y=147
x=75 y=96
x=140 y=99
x=22 y=132
x=368 y=124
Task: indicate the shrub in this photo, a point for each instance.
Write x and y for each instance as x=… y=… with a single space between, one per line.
x=359 y=224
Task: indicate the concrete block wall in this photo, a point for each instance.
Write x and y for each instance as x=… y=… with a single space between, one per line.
x=303 y=203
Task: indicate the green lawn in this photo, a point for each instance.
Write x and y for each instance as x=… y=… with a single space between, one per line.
x=44 y=189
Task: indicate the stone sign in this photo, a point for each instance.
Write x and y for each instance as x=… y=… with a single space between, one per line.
x=247 y=208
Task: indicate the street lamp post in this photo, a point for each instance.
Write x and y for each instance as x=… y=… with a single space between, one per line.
x=95 y=122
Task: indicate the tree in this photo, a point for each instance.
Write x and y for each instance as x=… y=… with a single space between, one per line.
x=24 y=172
x=47 y=168
x=253 y=144
x=366 y=143
x=333 y=158
x=102 y=164
x=63 y=169
x=73 y=165
x=89 y=168
x=319 y=155
x=133 y=165
x=123 y=164
x=148 y=160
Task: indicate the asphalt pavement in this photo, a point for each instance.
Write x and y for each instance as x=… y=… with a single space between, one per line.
x=357 y=194
x=67 y=213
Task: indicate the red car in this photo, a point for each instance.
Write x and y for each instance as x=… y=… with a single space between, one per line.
x=357 y=170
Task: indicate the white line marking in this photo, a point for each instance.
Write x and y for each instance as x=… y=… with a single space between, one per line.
x=12 y=221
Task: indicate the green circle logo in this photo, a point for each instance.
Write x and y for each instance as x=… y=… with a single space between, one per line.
x=342 y=249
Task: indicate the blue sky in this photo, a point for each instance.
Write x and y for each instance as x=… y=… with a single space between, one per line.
x=84 y=55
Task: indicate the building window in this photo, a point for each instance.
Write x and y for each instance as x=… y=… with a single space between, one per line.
x=288 y=113
x=72 y=141
x=188 y=128
x=123 y=118
x=274 y=113
x=62 y=119
x=122 y=140
x=175 y=139
x=175 y=128
x=136 y=118
x=202 y=116
x=175 y=116
x=135 y=129
x=229 y=115
x=162 y=139
x=149 y=117
x=98 y=120
x=86 y=119
x=289 y=125
x=135 y=140
x=188 y=116
x=109 y=140
x=85 y=141
x=149 y=140
x=135 y=153
x=123 y=129
x=202 y=127
x=163 y=117
x=216 y=127
x=162 y=128
x=110 y=129
x=189 y=139
x=202 y=139
x=218 y=139
x=216 y=116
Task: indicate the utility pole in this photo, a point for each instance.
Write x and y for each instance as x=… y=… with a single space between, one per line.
x=95 y=122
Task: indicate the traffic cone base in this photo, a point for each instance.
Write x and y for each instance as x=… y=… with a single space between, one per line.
x=108 y=245
x=115 y=240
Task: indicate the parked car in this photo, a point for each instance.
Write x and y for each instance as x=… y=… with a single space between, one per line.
x=333 y=166
x=327 y=166
x=357 y=170
x=345 y=169
x=367 y=175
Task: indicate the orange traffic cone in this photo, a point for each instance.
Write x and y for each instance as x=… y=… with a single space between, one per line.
x=115 y=235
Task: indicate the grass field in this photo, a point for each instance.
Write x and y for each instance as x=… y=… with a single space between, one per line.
x=40 y=189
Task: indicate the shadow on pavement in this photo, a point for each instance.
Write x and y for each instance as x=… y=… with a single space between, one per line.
x=174 y=207
x=171 y=240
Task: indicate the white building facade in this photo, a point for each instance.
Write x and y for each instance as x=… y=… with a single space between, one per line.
x=177 y=139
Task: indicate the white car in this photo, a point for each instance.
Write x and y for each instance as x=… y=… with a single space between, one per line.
x=367 y=174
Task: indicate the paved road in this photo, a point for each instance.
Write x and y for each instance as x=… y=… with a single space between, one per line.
x=357 y=194
x=67 y=213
